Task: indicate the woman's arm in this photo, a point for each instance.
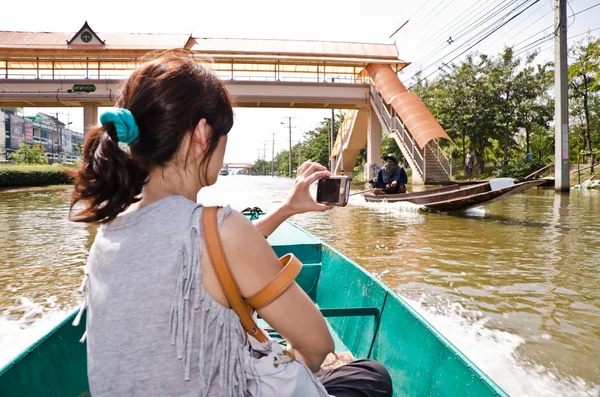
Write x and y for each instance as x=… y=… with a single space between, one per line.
x=298 y=202
x=254 y=264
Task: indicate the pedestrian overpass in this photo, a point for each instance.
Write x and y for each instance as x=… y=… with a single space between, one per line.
x=85 y=68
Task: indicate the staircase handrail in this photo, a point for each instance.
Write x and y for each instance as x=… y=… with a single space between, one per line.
x=441 y=157
x=395 y=125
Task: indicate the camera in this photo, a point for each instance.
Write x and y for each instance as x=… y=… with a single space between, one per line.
x=334 y=190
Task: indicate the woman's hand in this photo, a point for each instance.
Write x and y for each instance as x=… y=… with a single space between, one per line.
x=300 y=200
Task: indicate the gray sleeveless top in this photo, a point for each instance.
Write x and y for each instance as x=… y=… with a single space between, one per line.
x=152 y=329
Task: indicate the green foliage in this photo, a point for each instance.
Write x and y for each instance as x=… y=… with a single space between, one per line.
x=584 y=97
x=314 y=147
x=29 y=154
x=501 y=107
x=32 y=175
x=519 y=169
x=489 y=103
x=261 y=167
x=389 y=146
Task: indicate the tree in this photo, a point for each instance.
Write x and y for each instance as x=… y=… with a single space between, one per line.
x=261 y=167
x=537 y=106
x=316 y=142
x=583 y=84
x=516 y=93
x=29 y=154
x=462 y=101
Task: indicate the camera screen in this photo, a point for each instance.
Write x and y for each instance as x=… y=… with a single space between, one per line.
x=329 y=190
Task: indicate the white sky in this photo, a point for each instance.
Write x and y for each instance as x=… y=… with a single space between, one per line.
x=431 y=23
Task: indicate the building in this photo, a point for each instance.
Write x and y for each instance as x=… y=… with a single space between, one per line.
x=43 y=129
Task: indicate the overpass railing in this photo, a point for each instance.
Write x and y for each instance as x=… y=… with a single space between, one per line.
x=341 y=79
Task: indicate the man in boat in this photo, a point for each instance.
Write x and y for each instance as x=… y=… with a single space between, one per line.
x=391 y=178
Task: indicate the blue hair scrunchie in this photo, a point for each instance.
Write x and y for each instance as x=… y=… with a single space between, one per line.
x=127 y=129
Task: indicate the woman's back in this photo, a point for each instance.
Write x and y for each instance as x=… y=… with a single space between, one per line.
x=159 y=322
x=151 y=323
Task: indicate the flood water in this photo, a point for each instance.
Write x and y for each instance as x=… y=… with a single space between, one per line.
x=515 y=285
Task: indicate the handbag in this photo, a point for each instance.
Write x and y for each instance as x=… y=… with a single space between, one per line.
x=271 y=371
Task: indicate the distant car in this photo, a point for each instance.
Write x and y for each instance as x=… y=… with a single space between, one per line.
x=224 y=171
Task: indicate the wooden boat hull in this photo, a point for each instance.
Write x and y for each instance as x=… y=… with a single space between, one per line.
x=476 y=200
x=366 y=319
x=455 y=197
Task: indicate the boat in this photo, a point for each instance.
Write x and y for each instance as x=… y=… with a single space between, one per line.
x=459 y=197
x=224 y=171
x=366 y=319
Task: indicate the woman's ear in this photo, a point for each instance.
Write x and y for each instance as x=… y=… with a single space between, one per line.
x=201 y=134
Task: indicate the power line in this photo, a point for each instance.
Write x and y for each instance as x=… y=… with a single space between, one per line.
x=530 y=46
x=416 y=25
x=436 y=50
x=492 y=16
x=409 y=18
x=438 y=13
x=419 y=9
x=572 y=12
x=440 y=32
x=544 y=4
x=480 y=40
x=476 y=36
x=461 y=26
x=467 y=29
x=548 y=27
x=538 y=41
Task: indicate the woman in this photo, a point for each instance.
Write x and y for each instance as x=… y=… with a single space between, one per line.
x=158 y=324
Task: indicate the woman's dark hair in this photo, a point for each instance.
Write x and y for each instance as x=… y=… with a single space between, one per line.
x=168 y=95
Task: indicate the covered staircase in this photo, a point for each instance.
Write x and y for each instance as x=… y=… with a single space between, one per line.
x=403 y=117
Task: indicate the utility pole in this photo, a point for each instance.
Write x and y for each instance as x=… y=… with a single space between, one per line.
x=273 y=156
x=264 y=158
x=561 y=105
x=290 y=137
x=341 y=151
x=59 y=139
x=257 y=163
x=331 y=139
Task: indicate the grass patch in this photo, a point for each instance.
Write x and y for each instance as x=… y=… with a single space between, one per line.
x=33 y=175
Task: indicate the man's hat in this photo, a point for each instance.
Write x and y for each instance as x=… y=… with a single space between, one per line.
x=391 y=156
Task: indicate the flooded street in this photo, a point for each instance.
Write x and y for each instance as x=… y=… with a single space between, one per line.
x=515 y=285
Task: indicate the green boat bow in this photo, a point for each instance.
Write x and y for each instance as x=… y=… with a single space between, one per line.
x=366 y=318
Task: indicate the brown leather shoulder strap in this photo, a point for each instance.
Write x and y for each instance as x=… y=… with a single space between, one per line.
x=224 y=275
x=281 y=282
x=243 y=308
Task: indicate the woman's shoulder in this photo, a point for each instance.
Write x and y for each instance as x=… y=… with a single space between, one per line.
x=169 y=210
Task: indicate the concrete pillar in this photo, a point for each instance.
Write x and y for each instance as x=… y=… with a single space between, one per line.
x=2 y=138
x=561 y=105
x=373 y=145
x=90 y=117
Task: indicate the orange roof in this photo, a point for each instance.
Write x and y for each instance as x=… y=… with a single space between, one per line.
x=114 y=41
x=47 y=42
x=294 y=47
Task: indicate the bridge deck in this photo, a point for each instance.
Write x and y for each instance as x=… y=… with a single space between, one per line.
x=39 y=93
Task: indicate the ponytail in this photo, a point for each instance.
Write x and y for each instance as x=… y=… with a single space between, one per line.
x=168 y=95
x=109 y=179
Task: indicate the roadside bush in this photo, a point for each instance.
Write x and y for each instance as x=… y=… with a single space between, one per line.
x=32 y=175
x=519 y=169
x=29 y=154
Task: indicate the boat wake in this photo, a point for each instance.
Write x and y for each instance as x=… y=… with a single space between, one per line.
x=404 y=207
x=17 y=335
x=384 y=206
x=495 y=353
